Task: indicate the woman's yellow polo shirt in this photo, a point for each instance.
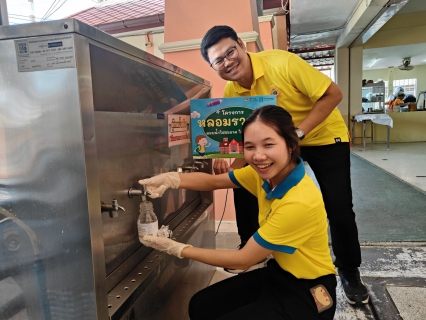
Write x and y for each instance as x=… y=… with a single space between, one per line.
x=293 y=221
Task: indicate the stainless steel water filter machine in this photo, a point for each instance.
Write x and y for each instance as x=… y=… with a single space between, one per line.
x=83 y=117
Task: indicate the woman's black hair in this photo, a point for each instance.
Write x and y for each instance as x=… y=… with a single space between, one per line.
x=213 y=36
x=280 y=120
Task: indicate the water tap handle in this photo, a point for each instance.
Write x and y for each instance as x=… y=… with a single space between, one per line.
x=201 y=163
x=178 y=169
x=135 y=192
x=116 y=207
x=112 y=209
x=144 y=191
x=191 y=168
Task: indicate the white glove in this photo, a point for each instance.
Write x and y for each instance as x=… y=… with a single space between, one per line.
x=157 y=185
x=164 y=244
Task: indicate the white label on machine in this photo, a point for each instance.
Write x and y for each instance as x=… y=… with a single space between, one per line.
x=45 y=53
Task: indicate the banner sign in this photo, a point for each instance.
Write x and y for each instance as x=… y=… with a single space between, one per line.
x=178 y=129
x=216 y=125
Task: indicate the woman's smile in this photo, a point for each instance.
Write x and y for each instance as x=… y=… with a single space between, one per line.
x=263 y=167
x=267 y=152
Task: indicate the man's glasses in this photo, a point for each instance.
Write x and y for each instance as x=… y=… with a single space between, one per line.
x=230 y=55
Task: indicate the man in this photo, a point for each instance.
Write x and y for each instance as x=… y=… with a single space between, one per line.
x=311 y=99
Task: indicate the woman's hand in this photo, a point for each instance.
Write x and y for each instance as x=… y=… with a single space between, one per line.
x=157 y=185
x=221 y=166
x=166 y=245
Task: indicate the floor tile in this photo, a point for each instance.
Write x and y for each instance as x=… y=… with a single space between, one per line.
x=407 y=161
x=409 y=301
x=394 y=273
x=220 y=275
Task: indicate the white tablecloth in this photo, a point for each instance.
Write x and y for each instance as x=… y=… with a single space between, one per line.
x=383 y=119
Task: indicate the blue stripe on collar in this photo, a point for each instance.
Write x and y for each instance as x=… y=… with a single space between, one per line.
x=281 y=189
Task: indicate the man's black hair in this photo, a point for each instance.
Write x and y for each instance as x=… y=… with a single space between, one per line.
x=213 y=36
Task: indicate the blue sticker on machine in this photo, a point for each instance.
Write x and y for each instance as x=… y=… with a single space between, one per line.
x=160 y=116
x=54 y=44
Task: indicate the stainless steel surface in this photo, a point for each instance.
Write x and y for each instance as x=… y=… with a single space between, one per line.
x=134 y=192
x=421 y=98
x=43 y=188
x=318 y=23
x=71 y=139
x=166 y=283
x=131 y=146
x=4 y=19
x=112 y=209
x=78 y=27
x=387 y=12
x=85 y=96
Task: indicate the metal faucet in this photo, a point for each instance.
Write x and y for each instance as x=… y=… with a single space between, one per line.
x=178 y=169
x=193 y=165
x=135 y=192
x=201 y=163
x=190 y=167
x=112 y=209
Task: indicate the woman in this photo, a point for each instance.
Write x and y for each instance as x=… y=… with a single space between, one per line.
x=299 y=283
x=397 y=99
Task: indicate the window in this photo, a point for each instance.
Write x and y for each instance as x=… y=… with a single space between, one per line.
x=409 y=85
x=327 y=72
x=386 y=90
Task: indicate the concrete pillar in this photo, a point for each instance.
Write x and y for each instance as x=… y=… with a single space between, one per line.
x=390 y=81
x=348 y=75
x=341 y=75
x=280 y=32
x=266 y=25
x=355 y=80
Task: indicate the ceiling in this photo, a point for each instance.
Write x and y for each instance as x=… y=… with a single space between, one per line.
x=392 y=56
x=315 y=24
x=382 y=58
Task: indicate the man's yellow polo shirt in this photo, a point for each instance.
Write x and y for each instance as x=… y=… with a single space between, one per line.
x=297 y=86
x=293 y=221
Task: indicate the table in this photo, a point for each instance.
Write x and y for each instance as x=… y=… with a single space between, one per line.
x=382 y=119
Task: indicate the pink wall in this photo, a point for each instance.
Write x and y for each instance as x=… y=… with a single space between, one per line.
x=219 y=203
x=150 y=49
x=190 y=19
x=265 y=29
x=192 y=61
